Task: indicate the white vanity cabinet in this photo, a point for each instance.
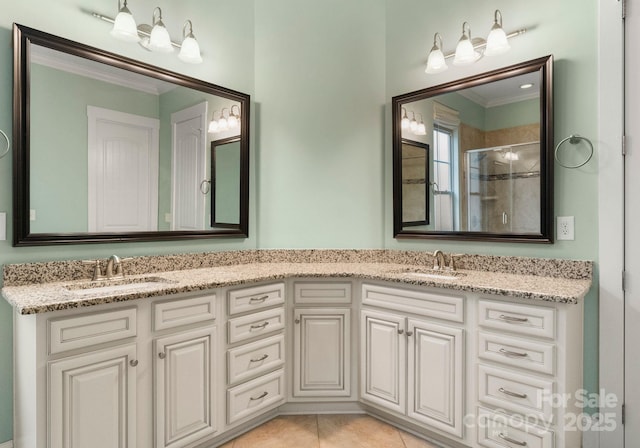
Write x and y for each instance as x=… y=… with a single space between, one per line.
x=255 y=351
x=322 y=340
x=412 y=365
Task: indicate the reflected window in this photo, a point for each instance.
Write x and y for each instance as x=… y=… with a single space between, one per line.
x=443 y=171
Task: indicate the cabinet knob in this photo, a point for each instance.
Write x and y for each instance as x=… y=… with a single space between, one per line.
x=162 y=355
x=400 y=331
x=297 y=321
x=133 y=362
x=409 y=333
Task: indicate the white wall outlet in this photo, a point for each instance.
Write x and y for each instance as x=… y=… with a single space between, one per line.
x=32 y=215
x=3 y=226
x=564 y=228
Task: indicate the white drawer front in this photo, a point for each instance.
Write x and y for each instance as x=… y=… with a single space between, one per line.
x=177 y=312
x=255 y=324
x=90 y=329
x=255 y=358
x=523 y=319
x=441 y=306
x=254 y=396
x=523 y=394
x=255 y=298
x=536 y=356
x=495 y=431
x=322 y=292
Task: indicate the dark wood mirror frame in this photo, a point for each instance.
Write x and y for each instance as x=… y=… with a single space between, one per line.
x=543 y=65
x=23 y=37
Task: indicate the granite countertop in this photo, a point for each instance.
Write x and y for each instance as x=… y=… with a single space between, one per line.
x=50 y=296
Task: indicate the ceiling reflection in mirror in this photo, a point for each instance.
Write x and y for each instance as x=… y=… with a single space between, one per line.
x=488 y=175
x=119 y=152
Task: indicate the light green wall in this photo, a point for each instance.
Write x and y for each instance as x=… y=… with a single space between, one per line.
x=410 y=27
x=59 y=157
x=225 y=31
x=512 y=115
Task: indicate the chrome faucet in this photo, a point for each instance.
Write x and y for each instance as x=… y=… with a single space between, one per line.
x=114 y=267
x=438 y=260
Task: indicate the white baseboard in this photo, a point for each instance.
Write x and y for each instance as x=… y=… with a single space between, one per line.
x=8 y=444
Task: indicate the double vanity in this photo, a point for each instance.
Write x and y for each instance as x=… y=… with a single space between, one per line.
x=192 y=350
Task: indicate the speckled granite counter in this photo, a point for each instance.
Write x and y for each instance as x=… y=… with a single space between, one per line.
x=31 y=288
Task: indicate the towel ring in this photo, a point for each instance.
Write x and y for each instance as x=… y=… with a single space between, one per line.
x=574 y=140
x=6 y=151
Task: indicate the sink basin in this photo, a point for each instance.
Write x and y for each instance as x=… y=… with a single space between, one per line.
x=117 y=286
x=427 y=273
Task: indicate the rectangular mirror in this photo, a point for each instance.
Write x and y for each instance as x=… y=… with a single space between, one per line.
x=111 y=149
x=489 y=174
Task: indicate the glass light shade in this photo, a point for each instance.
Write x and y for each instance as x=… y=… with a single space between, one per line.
x=497 y=42
x=422 y=129
x=511 y=156
x=465 y=53
x=190 y=50
x=124 y=26
x=159 y=39
x=413 y=124
x=223 y=125
x=213 y=127
x=436 y=62
x=232 y=121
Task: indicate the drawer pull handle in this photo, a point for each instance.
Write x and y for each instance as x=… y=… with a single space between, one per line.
x=513 y=319
x=258 y=299
x=400 y=331
x=259 y=397
x=512 y=394
x=259 y=326
x=262 y=358
x=162 y=355
x=133 y=362
x=510 y=440
x=513 y=354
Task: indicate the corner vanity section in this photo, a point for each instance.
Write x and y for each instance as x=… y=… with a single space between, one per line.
x=192 y=358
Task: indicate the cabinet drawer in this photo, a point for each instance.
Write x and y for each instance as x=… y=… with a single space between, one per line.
x=177 y=312
x=523 y=319
x=438 y=305
x=495 y=431
x=255 y=358
x=322 y=292
x=256 y=298
x=515 y=392
x=90 y=329
x=255 y=324
x=254 y=396
x=536 y=356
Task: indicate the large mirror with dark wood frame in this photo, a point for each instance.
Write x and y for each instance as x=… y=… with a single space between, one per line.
x=489 y=174
x=109 y=149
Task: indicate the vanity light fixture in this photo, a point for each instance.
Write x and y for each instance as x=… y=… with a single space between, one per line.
x=413 y=124
x=468 y=49
x=224 y=123
x=124 y=25
x=213 y=125
x=234 y=119
x=153 y=37
x=422 y=128
x=404 y=122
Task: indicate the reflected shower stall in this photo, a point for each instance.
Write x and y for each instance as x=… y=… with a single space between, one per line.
x=503 y=189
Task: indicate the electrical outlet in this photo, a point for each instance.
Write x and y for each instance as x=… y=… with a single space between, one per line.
x=564 y=228
x=3 y=226
x=32 y=215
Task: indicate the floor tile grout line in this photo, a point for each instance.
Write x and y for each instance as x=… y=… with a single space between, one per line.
x=318 y=429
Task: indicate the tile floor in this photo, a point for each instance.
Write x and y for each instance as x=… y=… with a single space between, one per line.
x=326 y=431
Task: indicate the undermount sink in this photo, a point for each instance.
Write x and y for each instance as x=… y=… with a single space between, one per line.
x=427 y=273
x=117 y=286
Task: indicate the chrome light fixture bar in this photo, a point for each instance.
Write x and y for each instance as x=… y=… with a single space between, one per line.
x=468 y=49
x=153 y=37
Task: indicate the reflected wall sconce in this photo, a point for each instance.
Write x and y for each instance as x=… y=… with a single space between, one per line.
x=154 y=37
x=469 y=50
x=413 y=125
x=225 y=123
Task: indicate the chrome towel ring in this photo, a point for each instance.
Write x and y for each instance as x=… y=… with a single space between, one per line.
x=574 y=140
x=6 y=151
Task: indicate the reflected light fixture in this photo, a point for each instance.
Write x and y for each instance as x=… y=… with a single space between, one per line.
x=436 y=62
x=234 y=119
x=422 y=128
x=510 y=155
x=213 y=125
x=468 y=49
x=465 y=52
x=526 y=86
x=497 y=42
x=413 y=124
x=224 y=123
x=404 y=122
x=190 y=50
x=124 y=25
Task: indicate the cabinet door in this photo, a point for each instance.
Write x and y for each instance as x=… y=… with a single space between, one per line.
x=92 y=399
x=184 y=387
x=435 y=362
x=383 y=359
x=322 y=352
